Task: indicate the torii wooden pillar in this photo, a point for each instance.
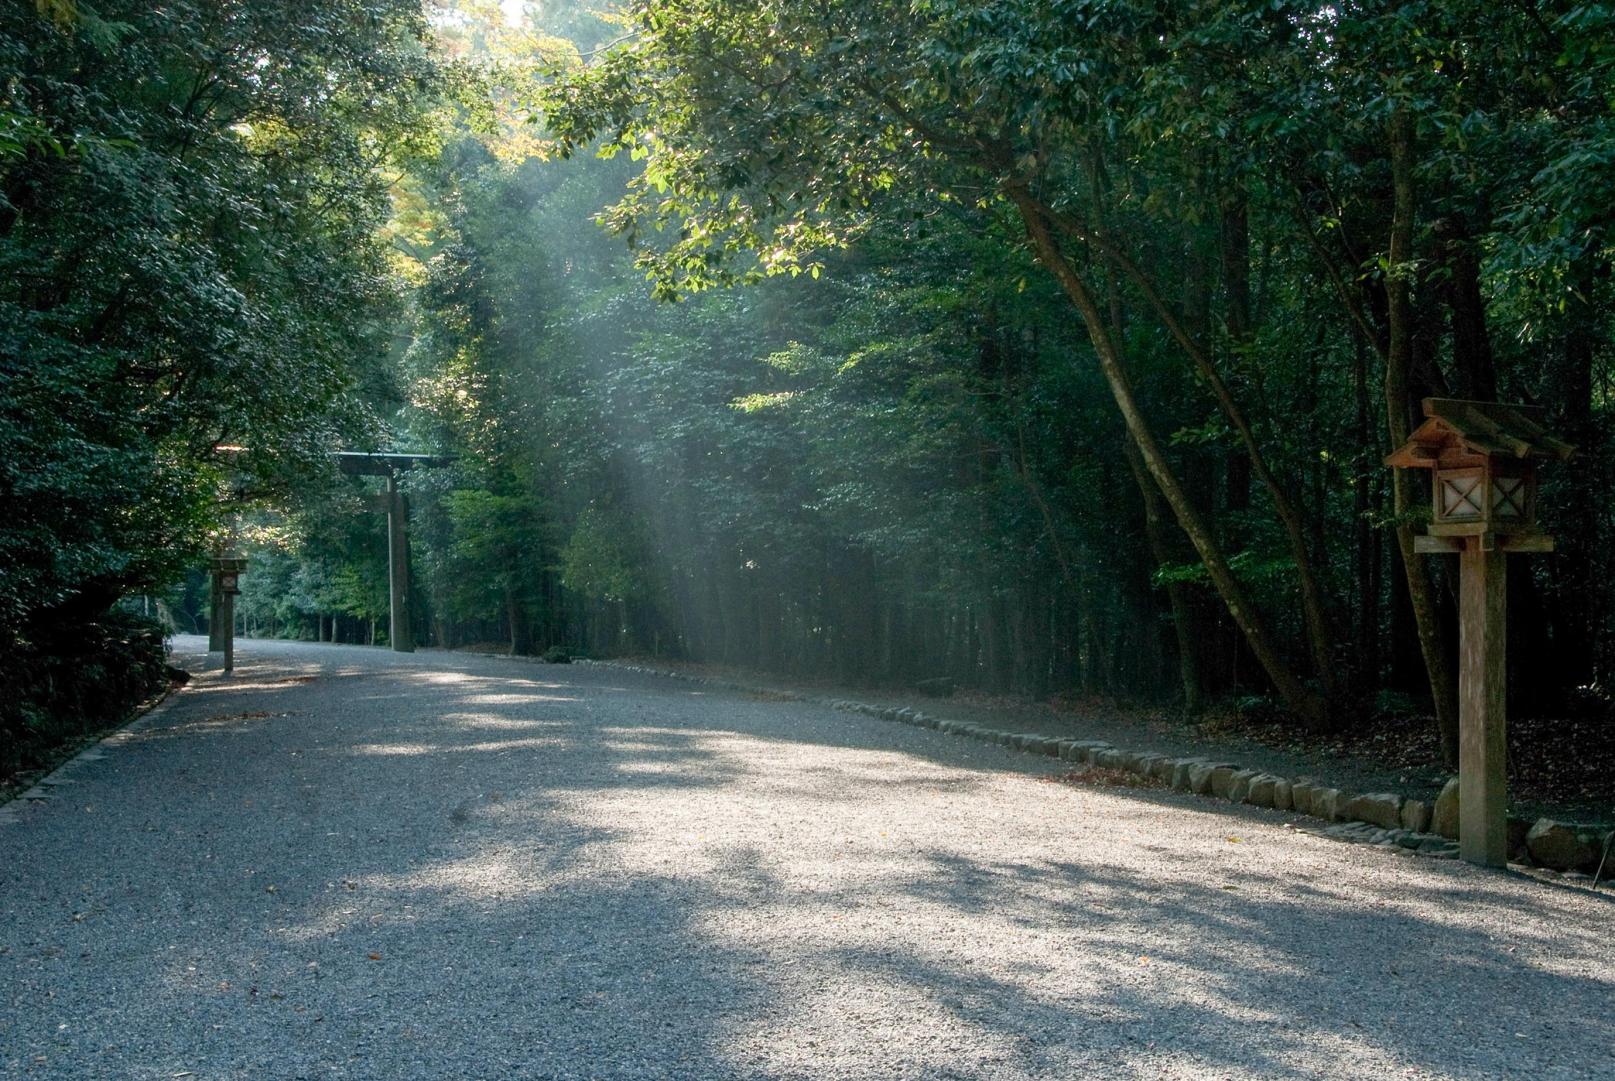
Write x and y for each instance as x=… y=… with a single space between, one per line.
x=401 y=629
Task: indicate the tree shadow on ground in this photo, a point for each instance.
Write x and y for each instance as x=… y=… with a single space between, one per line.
x=496 y=877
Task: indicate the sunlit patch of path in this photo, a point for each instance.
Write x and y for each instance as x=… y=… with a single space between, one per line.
x=344 y=862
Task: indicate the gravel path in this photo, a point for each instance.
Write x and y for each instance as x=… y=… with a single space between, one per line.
x=346 y=863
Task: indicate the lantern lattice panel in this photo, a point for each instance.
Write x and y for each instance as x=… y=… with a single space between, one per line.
x=1509 y=495
x=1462 y=496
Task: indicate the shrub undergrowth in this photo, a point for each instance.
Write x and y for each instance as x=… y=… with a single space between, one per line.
x=75 y=681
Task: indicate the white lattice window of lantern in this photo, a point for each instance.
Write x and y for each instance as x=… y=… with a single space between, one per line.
x=1508 y=498
x=1461 y=496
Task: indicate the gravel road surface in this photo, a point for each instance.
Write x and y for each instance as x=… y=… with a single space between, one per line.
x=347 y=863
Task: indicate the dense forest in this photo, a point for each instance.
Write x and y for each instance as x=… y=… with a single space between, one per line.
x=1039 y=346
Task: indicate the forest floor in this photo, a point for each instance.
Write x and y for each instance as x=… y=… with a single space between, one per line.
x=1562 y=768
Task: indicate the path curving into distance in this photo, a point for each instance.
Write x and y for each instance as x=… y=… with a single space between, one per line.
x=347 y=863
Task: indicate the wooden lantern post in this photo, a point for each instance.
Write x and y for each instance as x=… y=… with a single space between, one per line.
x=226 y=573
x=1482 y=457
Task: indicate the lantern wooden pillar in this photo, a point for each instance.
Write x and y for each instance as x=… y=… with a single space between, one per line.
x=215 y=630
x=1482 y=457
x=226 y=574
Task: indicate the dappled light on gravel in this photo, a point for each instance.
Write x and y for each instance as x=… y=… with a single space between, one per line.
x=350 y=878
x=455 y=748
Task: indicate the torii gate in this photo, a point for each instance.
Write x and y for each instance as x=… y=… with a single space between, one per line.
x=361 y=464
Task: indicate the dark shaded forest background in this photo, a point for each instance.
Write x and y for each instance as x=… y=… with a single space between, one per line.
x=845 y=406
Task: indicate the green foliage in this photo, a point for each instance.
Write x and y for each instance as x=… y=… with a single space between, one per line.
x=190 y=203
x=327 y=560
x=599 y=560
x=1219 y=173
x=496 y=537
x=892 y=456
x=739 y=452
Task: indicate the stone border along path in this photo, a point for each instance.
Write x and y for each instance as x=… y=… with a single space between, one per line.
x=62 y=776
x=1385 y=819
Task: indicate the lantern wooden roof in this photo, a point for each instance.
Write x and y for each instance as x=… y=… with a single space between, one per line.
x=1486 y=429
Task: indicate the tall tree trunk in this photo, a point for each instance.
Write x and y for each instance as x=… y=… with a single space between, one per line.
x=1471 y=343
x=521 y=639
x=1399 y=320
x=1235 y=225
x=1176 y=591
x=1160 y=546
x=1301 y=701
x=1574 y=587
x=1314 y=611
x=1235 y=235
x=1366 y=538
